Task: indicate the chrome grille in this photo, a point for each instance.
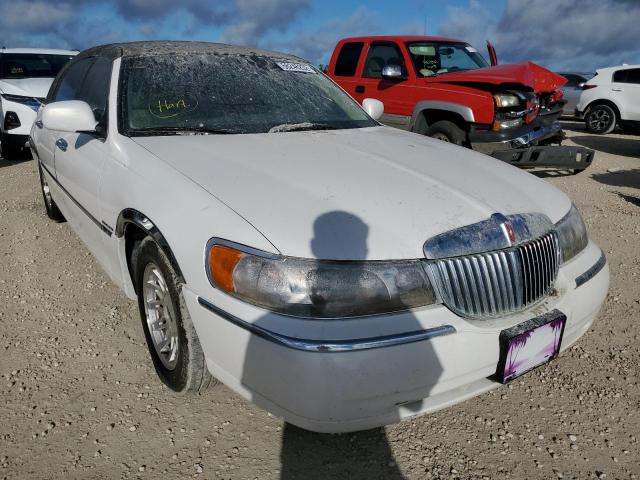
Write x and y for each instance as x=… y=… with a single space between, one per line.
x=500 y=282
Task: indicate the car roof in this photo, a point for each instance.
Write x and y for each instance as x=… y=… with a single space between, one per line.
x=162 y=47
x=46 y=51
x=619 y=67
x=402 y=38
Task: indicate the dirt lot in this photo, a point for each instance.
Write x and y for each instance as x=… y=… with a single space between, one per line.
x=80 y=399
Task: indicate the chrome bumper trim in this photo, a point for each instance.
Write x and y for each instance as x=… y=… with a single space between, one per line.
x=331 y=346
x=593 y=271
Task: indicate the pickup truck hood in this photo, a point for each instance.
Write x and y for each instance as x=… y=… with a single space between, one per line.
x=27 y=87
x=372 y=193
x=529 y=74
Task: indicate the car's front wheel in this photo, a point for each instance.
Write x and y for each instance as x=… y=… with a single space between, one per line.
x=447 y=132
x=601 y=119
x=53 y=212
x=9 y=149
x=171 y=337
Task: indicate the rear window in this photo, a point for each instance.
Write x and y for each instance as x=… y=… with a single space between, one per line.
x=348 y=59
x=30 y=65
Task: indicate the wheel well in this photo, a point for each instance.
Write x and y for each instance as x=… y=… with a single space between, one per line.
x=604 y=102
x=133 y=234
x=428 y=117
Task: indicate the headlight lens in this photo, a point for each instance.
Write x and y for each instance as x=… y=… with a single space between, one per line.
x=30 y=102
x=572 y=234
x=505 y=100
x=319 y=288
x=506 y=124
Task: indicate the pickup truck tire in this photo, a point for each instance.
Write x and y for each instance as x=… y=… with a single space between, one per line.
x=447 y=132
x=171 y=337
x=601 y=119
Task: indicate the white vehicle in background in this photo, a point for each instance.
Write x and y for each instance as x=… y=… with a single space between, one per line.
x=25 y=77
x=610 y=98
x=338 y=273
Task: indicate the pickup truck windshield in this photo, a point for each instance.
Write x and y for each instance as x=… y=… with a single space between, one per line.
x=216 y=94
x=30 y=65
x=435 y=58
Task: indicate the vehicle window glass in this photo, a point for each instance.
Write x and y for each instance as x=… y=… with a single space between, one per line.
x=95 y=88
x=633 y=75
x=620 y=76
x=380 y=55
x=31 y=65
x=233 y=94
x=435 y=58
x=72 y=80
x=573 y=80
x=347 y=61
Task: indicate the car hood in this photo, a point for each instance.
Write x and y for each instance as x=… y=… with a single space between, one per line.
x=28 y=87
x=372 y=193
x=529 y=74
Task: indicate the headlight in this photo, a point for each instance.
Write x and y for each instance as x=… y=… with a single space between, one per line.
x=572 y=234
x=318 y=288
x=506 y=124
x=505 y=100
x=30 y=102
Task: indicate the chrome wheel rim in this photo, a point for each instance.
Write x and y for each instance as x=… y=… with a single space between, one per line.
x=599 y=120
x=161 y=319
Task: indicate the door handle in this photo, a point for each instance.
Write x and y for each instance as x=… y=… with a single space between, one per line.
x=39 y=123
x=616 y=89
x=360 y=89
x=62 y=144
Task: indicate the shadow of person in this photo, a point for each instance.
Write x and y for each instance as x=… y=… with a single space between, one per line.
x=366 y=454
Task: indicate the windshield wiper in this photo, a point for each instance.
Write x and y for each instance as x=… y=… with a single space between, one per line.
x=185 y=131
x=298 y=127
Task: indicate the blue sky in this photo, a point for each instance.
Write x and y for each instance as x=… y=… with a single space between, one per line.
x=560 y=34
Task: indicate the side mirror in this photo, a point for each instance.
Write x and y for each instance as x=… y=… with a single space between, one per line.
x=69 y=116
x=392 y=72
x=375 y=108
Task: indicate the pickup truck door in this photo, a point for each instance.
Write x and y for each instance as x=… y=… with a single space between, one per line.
x=396 y=94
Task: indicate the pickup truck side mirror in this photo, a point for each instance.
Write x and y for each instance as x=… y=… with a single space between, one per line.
x=375 y=108
x=69 y=116
x=393 y=72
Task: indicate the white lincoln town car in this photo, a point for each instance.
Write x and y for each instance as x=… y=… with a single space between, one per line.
x=338 y=273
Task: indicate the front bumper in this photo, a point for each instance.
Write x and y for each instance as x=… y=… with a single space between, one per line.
x=25 y=114
x=330 y=390
x=528 y=146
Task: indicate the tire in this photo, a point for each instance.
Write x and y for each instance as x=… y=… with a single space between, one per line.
x=50 y=206
x=9 y=150
x=447 y=132
x=165 y=320
x=601 y=119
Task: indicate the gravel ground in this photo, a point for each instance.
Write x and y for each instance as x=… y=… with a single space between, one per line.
x=80 y=398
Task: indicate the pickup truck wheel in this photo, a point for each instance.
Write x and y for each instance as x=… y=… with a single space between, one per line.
x=447 y=132
x=171 y=337
x=50 y=206
x=601 y=119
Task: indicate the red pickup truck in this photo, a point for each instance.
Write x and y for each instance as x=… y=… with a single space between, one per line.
x=444 y=88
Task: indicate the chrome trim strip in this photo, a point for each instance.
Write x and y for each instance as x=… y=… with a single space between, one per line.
x=331 y=346
x=593 y=271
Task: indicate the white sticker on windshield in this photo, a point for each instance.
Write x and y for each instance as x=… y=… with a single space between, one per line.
x=470 y=49
x=295 y=67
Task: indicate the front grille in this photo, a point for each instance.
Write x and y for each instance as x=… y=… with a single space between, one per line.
x=498 y=283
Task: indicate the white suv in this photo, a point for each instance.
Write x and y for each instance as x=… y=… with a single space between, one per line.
x=25 y=77
x=610 y=98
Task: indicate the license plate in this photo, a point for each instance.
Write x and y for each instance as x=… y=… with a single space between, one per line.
x=529 y=345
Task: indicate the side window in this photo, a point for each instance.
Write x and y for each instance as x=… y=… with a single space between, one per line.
x=95 y=88
x=71 y=80
x=633 y=75
x=380 y=55
x=620 y=76
x=347 y=61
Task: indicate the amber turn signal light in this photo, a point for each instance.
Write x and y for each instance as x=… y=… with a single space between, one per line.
x=222 y=263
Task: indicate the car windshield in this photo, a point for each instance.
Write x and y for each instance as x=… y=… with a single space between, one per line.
x=29 y=65
x=436 y=58
x=214 y=93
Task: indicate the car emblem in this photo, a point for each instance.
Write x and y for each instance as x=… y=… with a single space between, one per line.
x=509 y=233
